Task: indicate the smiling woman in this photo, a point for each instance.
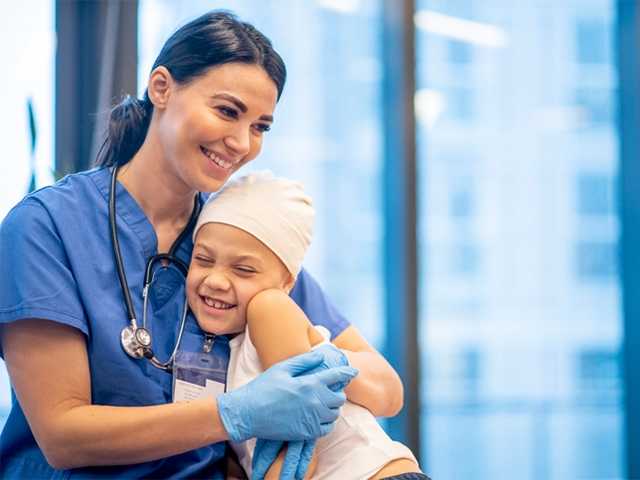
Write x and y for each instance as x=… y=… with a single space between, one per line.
x=200 y=132
x=95 y=409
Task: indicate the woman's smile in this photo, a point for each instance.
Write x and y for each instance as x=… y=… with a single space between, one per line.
x=218 y=159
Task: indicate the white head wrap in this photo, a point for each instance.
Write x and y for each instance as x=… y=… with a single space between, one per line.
x=274 y=210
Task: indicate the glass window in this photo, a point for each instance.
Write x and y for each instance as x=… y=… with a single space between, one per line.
x=598 y=374
x=596 y=260
x=596 y=105
x=327 y=131
x=520 y=324
x=464 y=259
x=461 y=201
x=460 y=106
x=595 y=196
x=459 y=52
x=27 y=45
x=593 y=42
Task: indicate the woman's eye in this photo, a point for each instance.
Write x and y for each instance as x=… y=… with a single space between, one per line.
x=262 y=127
x=228 y=112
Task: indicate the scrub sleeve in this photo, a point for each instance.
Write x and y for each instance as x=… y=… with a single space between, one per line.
x=36 y=280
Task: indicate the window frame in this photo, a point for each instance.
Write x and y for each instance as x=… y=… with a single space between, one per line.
x=627 y=36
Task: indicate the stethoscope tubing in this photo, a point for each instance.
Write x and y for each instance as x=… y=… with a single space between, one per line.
x=129 y=335
x=124 y=286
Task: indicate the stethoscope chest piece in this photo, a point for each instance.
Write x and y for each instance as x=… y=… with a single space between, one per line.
x=136 y=341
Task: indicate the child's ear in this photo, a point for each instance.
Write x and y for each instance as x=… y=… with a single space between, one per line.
x=289 y=283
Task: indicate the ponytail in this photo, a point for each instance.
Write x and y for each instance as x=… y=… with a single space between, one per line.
x=128 y=125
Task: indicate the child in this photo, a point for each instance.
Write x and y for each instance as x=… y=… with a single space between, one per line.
x=249 y=243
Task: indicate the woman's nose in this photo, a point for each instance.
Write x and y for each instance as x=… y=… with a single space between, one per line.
x=238 y=141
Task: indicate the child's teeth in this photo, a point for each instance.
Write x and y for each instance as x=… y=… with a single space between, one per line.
x=217 y=304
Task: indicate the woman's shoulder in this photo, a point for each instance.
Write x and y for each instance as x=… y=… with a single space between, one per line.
x=69 y=193
x=75 y=187
x=64 y=200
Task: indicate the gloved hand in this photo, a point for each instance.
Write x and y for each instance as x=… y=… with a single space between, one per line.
x=296 y=460
x=333 y=357
x=298 y=456
x=283 y=404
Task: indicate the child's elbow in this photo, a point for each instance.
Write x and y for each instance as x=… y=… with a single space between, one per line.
x=390 y=399
x=395 y=401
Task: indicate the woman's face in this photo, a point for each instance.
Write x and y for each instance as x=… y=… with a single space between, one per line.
x=208 y=128
x=228 y=268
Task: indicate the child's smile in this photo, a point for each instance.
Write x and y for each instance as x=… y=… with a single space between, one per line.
x=228 y=268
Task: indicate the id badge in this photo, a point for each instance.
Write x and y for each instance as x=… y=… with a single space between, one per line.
x=197 y=375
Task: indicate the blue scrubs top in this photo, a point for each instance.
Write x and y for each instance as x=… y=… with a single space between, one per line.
x=56 y=263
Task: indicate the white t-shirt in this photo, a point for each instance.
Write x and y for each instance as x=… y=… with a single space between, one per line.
x=355 y=449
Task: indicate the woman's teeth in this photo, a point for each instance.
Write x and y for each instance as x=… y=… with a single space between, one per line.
x=217 y=304
x=215 y=159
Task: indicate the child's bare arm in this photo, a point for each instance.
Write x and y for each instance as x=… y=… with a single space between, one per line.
x=279 y=329
x=377 y=386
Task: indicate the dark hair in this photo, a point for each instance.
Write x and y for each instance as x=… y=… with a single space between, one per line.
x=213 y=39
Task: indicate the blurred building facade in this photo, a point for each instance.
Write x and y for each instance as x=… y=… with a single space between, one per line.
x=520 y=314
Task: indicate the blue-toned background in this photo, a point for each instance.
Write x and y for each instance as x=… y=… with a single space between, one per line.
x=520 y=317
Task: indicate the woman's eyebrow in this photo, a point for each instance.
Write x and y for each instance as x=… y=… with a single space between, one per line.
x=240 y=104
x=230 y=98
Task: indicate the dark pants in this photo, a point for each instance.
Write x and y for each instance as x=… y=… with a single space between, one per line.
x=408 y=476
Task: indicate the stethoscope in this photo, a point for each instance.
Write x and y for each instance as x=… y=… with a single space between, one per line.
x=135 y=340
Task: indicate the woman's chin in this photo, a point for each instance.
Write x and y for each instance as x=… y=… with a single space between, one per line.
x=209 y=183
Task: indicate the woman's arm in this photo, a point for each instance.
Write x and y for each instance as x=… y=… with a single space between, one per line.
x=49 y=371
x=377 y=387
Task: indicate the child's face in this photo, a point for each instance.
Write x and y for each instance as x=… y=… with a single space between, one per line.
x=228 y=267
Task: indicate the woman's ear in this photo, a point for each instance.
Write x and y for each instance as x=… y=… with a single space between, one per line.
x=160 y=86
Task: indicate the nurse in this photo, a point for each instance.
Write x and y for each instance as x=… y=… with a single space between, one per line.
x=81 y=406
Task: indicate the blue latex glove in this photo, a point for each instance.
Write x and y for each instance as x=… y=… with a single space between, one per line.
x=282 y=404
x=333 y=357
x=296 y=459
x=298 y=456
x=304 y=458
